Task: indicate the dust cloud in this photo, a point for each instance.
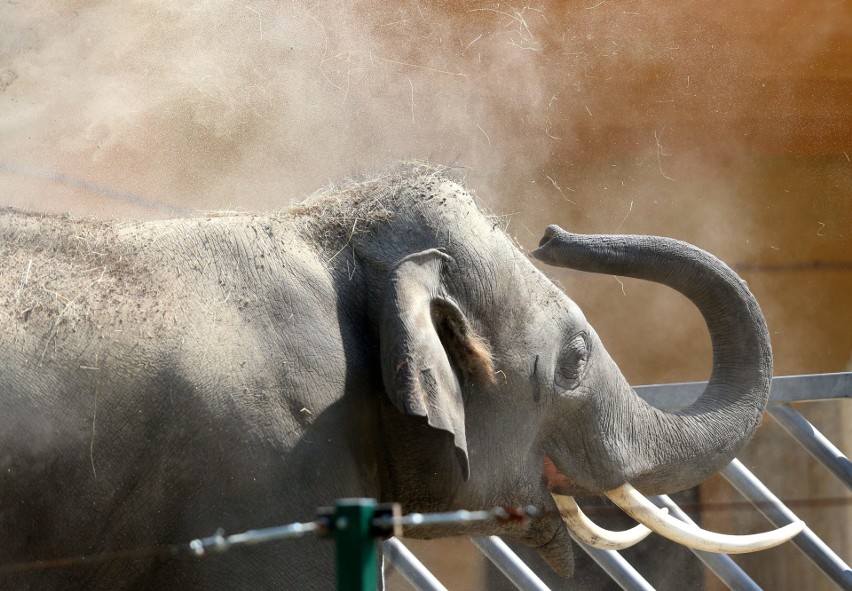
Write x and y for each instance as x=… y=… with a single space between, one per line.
x=252 y=105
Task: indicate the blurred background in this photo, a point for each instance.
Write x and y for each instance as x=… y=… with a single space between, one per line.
x=728 y=125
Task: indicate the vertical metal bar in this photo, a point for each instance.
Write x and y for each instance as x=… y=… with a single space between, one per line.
x=815 y=442
x=722 y=565
x=617 y=568
x=357 y=558
x=509 y=564
x=776 y=512
x=409 y=567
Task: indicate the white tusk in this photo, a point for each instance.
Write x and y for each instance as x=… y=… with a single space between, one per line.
x=593 y=535
x=644 y=511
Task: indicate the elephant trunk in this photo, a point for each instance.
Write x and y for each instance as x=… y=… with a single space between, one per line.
x=687 y=446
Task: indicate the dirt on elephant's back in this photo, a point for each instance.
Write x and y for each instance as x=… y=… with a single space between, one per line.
x=55 y=270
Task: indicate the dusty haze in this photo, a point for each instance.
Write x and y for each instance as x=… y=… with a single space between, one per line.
x=725 y=125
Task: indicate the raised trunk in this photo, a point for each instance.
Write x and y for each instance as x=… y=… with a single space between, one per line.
x=683 y=448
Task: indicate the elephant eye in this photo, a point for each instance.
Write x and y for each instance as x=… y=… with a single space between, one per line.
x=572 y=362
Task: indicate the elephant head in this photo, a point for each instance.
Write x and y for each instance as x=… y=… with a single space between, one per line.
x=658 y=451
x=480 y=346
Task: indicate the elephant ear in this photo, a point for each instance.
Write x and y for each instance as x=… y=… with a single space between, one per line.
x=427 y=345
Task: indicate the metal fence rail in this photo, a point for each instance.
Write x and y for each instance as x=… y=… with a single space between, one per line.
x=728 y=571
x=395 y=552
x=814 y=441
x=776 y=512
x=509 y=564
x=784 y=390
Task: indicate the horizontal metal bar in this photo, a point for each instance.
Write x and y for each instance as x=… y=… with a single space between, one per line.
x=821 y=386
x=453 y=517
x=815 y=442
x=824 y=386
x=722 y=565
x=219 y=542
x=409 y=567
x=775 y=511
x=619 y=570
x=509 y=564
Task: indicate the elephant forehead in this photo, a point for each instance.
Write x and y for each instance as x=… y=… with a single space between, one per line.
x=542 y=302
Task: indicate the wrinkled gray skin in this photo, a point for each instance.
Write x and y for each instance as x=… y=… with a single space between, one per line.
x=163 y=379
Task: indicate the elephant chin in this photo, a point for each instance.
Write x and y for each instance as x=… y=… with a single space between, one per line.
x=558 y=551
x=550 y=538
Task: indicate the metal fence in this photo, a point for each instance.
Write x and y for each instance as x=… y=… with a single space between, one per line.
x=785 y=390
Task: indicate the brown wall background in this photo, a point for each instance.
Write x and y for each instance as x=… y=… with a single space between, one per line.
x=724 y=124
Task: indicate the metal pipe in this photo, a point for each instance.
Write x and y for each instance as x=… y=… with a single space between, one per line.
x=821 y=386
x=453 y=517
x=409 y=567
x=509 y=564
x=722 y=565
x=815 y=442
x=619 y=570
x=776 y=512
x=825 y=386
x=219 y=542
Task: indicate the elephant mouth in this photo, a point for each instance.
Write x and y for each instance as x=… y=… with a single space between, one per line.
x=650 y=519
x=557 y=483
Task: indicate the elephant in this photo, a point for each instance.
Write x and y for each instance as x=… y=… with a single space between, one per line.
x=384 y=338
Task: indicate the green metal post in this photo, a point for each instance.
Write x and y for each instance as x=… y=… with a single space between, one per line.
x=357 y=557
